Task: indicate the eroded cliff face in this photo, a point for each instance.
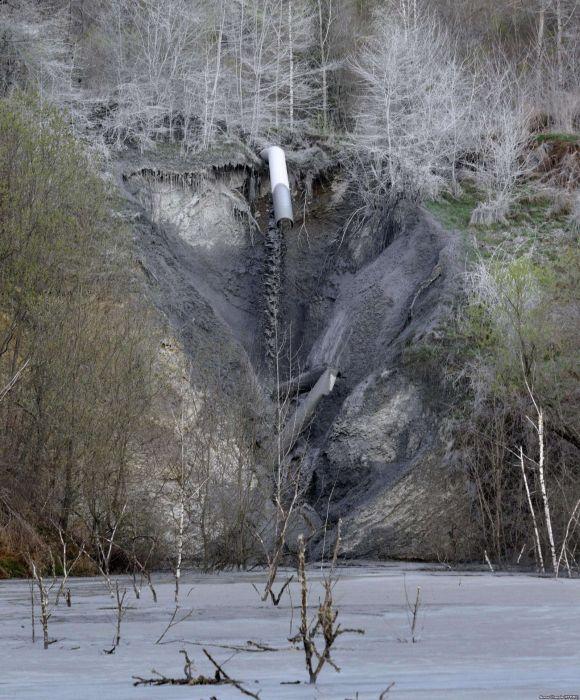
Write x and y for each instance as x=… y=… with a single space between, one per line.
x=354 y=294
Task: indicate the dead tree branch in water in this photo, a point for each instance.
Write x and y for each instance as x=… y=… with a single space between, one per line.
x=325 y=621
x=220 y=677
x=121 y=610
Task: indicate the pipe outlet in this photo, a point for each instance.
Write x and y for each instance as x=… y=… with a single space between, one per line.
x=279 y=184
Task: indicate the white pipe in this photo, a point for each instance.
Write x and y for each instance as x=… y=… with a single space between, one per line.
x=279 y=183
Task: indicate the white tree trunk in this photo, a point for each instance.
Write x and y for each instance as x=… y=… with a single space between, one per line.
x=323 y=32
x=544 y=492
x=277 y=80
x=181 y=517
x=290 y=67
x=240 y=60
x=559 y=42
x=563 y=555
x=541 y=30
x=536 y=532
x=179 y=557
x=218 y=61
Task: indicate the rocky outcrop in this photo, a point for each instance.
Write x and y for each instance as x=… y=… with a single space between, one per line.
x=386 y=473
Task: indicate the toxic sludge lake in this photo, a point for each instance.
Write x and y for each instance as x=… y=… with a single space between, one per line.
x=480 y=635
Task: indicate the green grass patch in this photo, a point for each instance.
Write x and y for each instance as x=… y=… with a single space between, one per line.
x=535 y=210
x=530 y=226
x=455 y=212
x=552 y=136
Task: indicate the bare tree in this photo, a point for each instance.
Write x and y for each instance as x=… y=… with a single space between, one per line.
x=325 y=619
x=541 y=470
x=548 y=518
x=35 y=50
x=289 y=481
x=537 y=541
x=414 y=106
x=573 y=522
x=413 y=609
x=66 y=566
x=325 y=20
x=212 y=97
x=120 y=610
x=504 y=136
x=142 y=568
x=106 y=546
x=44 y=591
x=543 y=5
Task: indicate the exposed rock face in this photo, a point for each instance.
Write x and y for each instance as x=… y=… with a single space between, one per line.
x=384 y=463
x=382 y=427
x=202 y=263
x=350 y=299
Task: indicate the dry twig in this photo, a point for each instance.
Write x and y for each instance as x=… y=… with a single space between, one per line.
x=220 y=677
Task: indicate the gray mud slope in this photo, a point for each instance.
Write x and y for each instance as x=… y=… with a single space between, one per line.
x=380 y=453
x=207 y=291
x=376 y=450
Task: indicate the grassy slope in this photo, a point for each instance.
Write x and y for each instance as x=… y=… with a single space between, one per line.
x=532 y=228
x=534 y=231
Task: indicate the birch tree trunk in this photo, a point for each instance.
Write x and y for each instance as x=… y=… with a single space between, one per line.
x=277 y=80
x=323 y=32
x=240 y=61
x=536 y=532
x=541 y=31
x=290 y=67
x=179 y=545
x=181 y=516
x=559 y=42
x=540 y=429
x=209 y=127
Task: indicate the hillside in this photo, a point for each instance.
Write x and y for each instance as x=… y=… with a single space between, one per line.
x=160 y=337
